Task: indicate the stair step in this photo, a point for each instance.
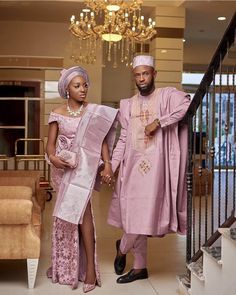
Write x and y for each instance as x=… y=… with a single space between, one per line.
x=233 y=233
x=229 y=233
x=196 y=268
x=214 y=252
x=184 y=282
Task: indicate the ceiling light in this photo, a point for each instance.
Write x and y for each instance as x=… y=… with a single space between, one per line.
x=221 y=18
x=113 y=7
x=117 y=23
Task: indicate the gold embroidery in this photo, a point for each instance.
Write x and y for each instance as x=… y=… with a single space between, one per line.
x=143 y=112
x=144 y=166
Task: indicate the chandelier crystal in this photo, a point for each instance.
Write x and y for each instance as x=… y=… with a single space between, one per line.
x=118 y=24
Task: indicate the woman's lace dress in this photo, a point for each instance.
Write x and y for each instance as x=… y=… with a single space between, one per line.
x=68 y=253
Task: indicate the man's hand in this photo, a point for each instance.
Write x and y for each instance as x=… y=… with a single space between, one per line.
x=107 y=175
x=150 y=129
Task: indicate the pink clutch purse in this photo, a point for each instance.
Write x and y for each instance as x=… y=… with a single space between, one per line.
x=69 y=157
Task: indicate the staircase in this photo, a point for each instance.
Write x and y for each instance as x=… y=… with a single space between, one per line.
x=215 y=274
x=211 y=178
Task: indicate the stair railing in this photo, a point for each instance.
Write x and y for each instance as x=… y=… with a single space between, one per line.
x=211 y=175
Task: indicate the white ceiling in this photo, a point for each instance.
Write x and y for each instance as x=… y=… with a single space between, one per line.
x=202 y=26
x=201 y=18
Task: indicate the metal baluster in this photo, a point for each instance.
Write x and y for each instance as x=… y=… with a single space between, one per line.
x=227 y=129
x=200 y=175
x=194 y=184
x=190 y=221
x=206 y=149
x=219 y=143
x=234 y=169
x=212 y=151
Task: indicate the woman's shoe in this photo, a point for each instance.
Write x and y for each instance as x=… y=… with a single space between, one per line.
x=89 y=287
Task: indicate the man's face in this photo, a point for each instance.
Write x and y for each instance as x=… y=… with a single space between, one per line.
x=144 y=78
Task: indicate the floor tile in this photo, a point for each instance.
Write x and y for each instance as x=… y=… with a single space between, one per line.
x=166 y=259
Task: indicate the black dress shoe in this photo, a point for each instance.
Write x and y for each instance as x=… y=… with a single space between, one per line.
x=120 y=260
x=132 y=276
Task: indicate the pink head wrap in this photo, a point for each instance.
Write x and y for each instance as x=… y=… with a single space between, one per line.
x=143 y=60
x=67 y=75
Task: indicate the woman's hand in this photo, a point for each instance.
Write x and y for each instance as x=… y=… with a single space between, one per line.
x=150 y=129
x=58 y=162
x=107 y=174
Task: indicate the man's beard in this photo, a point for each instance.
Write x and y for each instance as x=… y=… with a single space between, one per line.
x=148 y=89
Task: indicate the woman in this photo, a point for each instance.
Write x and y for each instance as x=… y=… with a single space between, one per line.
x=86 y=131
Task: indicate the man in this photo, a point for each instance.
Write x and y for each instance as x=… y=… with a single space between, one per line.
x=150 y=194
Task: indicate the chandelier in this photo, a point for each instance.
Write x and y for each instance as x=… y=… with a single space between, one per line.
x=114 y=24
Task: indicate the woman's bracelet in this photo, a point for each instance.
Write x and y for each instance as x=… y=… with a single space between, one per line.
x=49 y=157
x=107 y=161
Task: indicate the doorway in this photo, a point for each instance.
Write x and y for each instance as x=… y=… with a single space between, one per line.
x=19 y=116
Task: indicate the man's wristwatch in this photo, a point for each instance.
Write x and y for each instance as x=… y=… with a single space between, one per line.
x=157 y=122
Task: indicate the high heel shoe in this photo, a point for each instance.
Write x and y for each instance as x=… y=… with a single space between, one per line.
x=89 y=287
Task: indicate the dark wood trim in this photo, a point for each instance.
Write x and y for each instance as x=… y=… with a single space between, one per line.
x=33 y=84
x=175 y=33
x=31 y=62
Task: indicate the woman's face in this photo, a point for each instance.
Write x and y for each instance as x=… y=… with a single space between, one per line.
x=78 y=88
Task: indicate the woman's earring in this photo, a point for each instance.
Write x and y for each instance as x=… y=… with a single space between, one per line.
x=67 y=95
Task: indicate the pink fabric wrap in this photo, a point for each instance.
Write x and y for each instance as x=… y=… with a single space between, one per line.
x=77 y=184
x=153 y=203
x=67 y=75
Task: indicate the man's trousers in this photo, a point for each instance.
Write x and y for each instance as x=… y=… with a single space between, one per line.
x=137 y=244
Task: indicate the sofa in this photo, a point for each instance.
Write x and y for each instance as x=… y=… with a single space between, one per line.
x=20 y=226
x=25 y=178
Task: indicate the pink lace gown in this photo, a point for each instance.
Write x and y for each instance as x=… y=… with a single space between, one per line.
x=68 y=253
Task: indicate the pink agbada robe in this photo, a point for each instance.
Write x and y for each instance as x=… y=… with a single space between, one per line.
x=150 y=194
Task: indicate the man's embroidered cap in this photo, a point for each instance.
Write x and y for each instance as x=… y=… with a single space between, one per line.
x=143 y=60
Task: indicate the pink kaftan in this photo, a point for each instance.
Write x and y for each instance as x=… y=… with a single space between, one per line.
x=150 y=194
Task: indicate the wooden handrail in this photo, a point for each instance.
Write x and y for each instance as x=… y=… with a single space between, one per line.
x=225 y=43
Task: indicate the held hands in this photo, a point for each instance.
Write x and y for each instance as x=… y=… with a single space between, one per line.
x=107 y=174
x=151 y=128
x=58 y=162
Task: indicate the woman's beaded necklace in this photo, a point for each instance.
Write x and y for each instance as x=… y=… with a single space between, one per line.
x=74 y=113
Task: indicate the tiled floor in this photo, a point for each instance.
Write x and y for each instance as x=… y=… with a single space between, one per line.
x=166 y=259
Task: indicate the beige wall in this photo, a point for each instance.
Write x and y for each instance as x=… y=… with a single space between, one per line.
x=116 y=83
x=36 y=39
x=46 y=39
x=201 y=55
x=168 y=45
x=33 y=38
